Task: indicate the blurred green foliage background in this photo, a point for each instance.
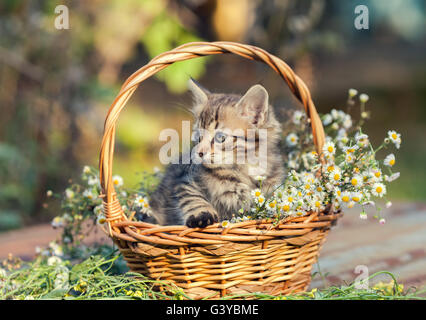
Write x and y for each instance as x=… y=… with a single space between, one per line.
x=56 y=85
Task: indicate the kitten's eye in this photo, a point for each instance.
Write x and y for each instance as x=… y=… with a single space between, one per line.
x=220 y=137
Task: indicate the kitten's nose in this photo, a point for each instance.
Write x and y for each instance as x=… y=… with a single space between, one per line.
x=200 y=154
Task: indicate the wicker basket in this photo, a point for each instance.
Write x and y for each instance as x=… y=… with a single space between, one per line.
x=251 y=256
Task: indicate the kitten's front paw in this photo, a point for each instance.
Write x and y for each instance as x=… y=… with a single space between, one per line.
x=201 y=220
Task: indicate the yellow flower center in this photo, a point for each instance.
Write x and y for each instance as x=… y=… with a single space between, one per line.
x=354 y=181
x=345 y=199
x=394 y=136
x=392 y=162
x=286 y=207
x=257 y=193
x=330 y=149
x=261 y=199
x=379 y=189
x=355 y=198
x=336 y=176
x=317 y=204
x=377 y=174
x=290 y=199
x=330 y=168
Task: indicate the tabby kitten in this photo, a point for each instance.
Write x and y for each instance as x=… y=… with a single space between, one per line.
x=211 y=188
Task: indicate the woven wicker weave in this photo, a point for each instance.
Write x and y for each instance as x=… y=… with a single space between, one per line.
x=251 y=256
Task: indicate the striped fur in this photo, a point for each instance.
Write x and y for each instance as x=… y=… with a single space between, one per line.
x=199 y=194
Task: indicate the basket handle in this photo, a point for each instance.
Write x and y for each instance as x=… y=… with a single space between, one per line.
x=112 y=209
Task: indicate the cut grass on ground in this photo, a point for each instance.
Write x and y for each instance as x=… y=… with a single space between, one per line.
x=97 y=278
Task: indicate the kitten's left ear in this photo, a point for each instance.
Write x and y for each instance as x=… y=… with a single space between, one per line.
x=199 y=93
x=254 y=104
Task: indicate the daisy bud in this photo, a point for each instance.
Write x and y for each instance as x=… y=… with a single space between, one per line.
x=49 y=193
x=382 y=221
x=364 y=115
x=363 y=97
x=388 y=204
x=387 y=140
x=352 y=92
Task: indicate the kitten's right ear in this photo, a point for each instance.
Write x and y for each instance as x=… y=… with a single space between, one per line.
x=199 y=93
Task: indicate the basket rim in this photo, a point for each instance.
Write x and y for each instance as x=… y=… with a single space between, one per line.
x=246 y=231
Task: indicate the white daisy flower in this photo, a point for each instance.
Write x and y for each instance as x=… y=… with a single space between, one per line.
x=342 y=141
x=141 y=202
x=297 y=117
x=53 y=260
x=376 y=174
x=378 y=189
x=316 y=205
x=347 y=122
x=290 y=198
x=101 y=219
x=292 y=139
x=260 y=200
x=57 y=222
x=91 y=181
x=69 y=194
x=346 y=197
x=356 y=181
x=285 y=207
x=327 y=119
x=225 y=224
x=256 y=193
x=335 y=114
x=361 y=139
x=389 y=160
x=86 y=169
x=392 y=177
x=351 y=204
x=363 y=215
x=271 y=206
x=395 y=137
x=336 y=175
x=349 y=158
x=117 y=181
x=329 y=149
x=98 y=209
x=88 y=194
x=367 y=176
x=356 y=196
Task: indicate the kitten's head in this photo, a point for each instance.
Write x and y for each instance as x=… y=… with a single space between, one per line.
x=228 y=127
